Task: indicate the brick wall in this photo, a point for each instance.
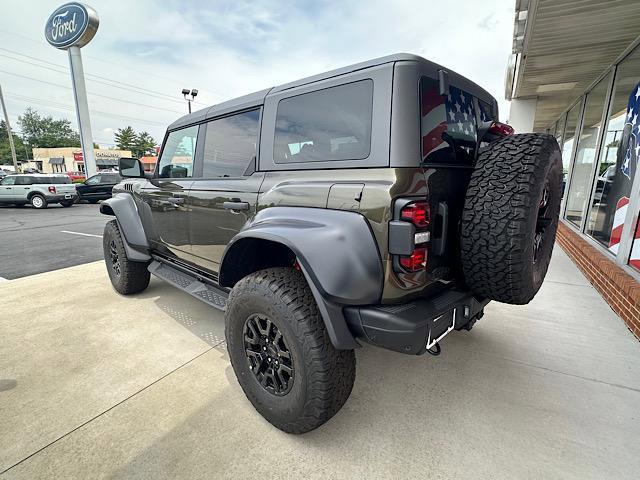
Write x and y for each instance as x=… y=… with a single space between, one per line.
x=618 y=288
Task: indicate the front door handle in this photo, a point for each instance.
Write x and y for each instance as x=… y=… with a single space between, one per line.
x=235 y=205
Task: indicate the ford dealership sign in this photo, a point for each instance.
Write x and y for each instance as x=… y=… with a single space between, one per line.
x=72 y=24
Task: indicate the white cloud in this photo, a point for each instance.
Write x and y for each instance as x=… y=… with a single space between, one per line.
x=229 y=48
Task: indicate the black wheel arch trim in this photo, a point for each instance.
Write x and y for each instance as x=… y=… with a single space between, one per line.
x=337 y=254
x=123 y=207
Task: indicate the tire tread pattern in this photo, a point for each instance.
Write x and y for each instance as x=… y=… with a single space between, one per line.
x=330 y=373
x=501 y=200
x=134 y=276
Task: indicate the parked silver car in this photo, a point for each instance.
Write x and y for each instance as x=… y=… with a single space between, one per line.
x=37 y=189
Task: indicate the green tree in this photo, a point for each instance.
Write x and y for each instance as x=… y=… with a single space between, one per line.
x=46 y=132
x=144 y=145
x=126 y=138
x=5 y=148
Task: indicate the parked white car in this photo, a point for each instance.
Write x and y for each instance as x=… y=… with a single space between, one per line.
x=37 y=189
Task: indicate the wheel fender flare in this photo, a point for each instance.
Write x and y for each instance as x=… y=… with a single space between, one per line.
x=123 y=207
x=337 y=254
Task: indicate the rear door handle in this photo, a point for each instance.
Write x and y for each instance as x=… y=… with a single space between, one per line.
x=236 y=205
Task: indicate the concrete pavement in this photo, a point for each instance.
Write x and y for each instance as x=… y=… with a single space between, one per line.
x=141 y=387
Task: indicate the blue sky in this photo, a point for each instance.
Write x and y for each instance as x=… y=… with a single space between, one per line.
x=145 y=52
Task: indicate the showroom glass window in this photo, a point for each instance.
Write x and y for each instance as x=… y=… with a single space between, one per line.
x=618 y=159
x=325 y=125
x=230 y=145
x=176 y=159
x=581 y=178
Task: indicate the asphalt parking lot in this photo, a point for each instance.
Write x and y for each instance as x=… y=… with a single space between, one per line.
x=106 y=386
x=35 y=241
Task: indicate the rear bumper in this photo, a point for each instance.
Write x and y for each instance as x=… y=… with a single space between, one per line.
x=61 y=197
x=410 y=327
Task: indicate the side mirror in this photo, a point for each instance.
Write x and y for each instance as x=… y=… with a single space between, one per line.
x=131 y=168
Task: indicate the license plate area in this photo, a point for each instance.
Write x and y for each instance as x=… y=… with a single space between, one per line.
x=67 y=195
x=439 y=327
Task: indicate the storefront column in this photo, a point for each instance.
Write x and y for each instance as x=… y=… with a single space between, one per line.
x=522 y=114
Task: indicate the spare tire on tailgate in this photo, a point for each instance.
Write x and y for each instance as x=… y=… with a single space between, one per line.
x=510 y=217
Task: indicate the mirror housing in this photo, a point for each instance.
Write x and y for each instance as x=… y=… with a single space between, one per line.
x=130 y=168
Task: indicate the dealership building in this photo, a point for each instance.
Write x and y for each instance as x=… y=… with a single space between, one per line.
x=69 y=159
x=574 y=73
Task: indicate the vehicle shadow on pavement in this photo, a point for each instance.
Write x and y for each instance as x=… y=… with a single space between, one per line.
x=200 y=319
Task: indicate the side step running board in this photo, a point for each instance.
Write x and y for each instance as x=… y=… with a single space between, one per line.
x=209 y=294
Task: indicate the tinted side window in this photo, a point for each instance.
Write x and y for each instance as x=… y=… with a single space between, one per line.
x=9 y=180
x=176 y=159
x=230 y=145
x=26 y=180
x=60 y=180
x=329 y=124
x=95 y=180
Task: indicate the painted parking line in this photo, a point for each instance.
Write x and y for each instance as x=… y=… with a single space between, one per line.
x=79 y=233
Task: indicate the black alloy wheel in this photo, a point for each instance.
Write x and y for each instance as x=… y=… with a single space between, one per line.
x=268 y=355
x=542 y=222
x=115 y=260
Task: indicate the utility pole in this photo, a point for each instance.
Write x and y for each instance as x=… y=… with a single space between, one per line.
x=6 y=122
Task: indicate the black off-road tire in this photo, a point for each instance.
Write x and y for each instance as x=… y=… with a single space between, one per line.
x=38 y=201
x=508 y=229
x=127 y=277
x=322 y=377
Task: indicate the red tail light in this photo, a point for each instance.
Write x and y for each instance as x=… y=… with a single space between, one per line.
x=502 y=129
x=416 y=213
x=416 y=261
x=52 y=189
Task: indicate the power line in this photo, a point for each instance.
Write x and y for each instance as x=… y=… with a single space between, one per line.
x=91 y=93
x=177 y=82
x=98 y=113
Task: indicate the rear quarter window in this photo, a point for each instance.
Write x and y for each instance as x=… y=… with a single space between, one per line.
x=325 y=125
x=449 y=122
x=59 y=180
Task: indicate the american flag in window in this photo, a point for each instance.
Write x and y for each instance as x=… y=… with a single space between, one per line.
x=453 y=114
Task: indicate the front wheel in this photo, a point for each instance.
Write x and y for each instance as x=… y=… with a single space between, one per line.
x=126 y=276
x=281 y=353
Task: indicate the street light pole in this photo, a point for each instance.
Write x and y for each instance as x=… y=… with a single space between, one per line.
x=193 y=92
x=6 y=123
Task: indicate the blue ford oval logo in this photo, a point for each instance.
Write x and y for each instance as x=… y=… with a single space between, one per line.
x=72 y=24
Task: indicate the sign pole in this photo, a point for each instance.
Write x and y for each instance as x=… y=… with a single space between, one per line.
x=70 y=27
x=6 y=122
x=82 y=110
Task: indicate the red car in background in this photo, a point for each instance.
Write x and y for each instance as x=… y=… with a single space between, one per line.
x=76 y=177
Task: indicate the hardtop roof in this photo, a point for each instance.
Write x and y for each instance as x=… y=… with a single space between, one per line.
x=257 y=98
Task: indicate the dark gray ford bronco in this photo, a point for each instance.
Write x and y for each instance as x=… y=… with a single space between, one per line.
x=381 y=202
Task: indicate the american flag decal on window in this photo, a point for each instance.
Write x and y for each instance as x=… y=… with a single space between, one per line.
x=453 y=113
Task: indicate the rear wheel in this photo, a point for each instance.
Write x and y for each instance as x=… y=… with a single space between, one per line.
x=126 y=276
x=281 y=353
x=38 y=201
x=510 y=217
